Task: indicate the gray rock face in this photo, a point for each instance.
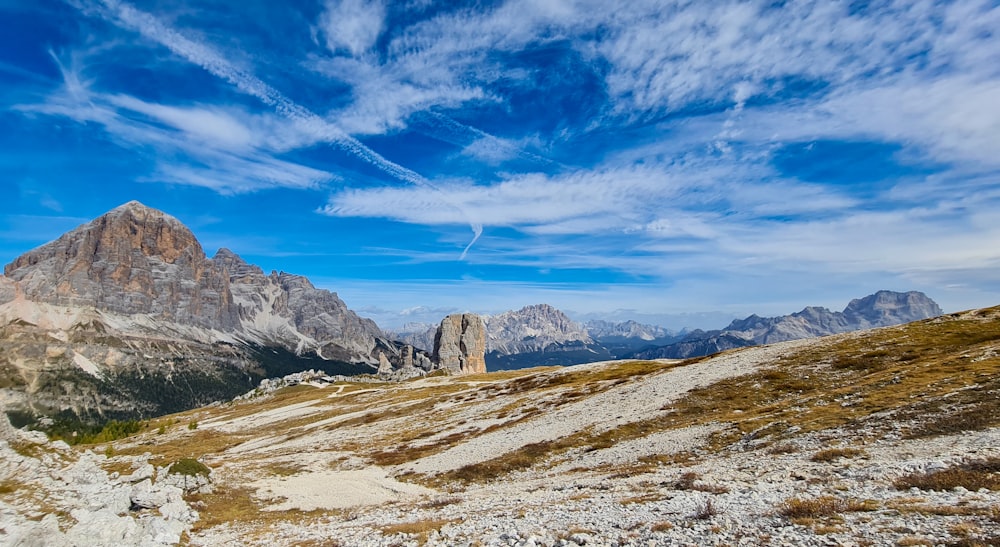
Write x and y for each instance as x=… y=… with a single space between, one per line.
x=626 y=329
x=532 y=328
x=288 y=310
x=886 y=308
x=7 y=431
x=132 y=260
x=460 y=344
x=882 y=309
x=8 y=290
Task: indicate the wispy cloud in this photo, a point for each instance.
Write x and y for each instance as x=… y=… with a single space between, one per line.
x=688 y=145
x=204 y=56
x=226 y=149
x=322 y=130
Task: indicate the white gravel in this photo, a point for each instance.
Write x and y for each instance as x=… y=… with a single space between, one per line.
x=620 y=405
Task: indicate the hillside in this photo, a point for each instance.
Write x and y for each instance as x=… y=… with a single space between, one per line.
x=882 y=437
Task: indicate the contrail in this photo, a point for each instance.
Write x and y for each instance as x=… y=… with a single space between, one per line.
x=128 y=17
x=452 y=131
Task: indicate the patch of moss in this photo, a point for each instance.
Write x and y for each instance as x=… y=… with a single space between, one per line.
x=190 y=467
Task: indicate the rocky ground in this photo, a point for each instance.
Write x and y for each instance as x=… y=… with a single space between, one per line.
x=55 y=495
x=738 y=499
x=862 y=439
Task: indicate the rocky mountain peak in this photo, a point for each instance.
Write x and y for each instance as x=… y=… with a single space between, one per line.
x=532 y=328
x=881 y=309
x=535 y=320
x=888 y=308
x=131 y=260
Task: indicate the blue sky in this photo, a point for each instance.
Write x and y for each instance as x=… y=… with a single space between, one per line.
x=643 y=158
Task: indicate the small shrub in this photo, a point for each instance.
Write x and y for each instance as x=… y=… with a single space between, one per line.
x=912 y=541
x=705 y=510
x=437 y=503
x=971 y=475
x=8 y=487
x=782 y=448
x=686 y=481
x=831 y=454
x=862 y=506
x=161 y=430
x=823 y=506
x=963 y=529
x=644 y=498
x=661 y=527
x=973 y=418
x=189 y=466
x=193 y=425
x=421 y=528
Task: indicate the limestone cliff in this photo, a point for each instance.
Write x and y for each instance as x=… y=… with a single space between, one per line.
x=460 y=344
x=132 y=260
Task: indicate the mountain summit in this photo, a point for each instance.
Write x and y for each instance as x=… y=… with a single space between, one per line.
x=131 y=260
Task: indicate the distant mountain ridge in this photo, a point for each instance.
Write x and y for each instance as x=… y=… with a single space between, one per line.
x=881 y=309
x=541 y=334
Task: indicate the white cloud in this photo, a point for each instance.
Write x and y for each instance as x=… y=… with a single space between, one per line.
x=352 y=25
x=702 y=199
x=520 y=200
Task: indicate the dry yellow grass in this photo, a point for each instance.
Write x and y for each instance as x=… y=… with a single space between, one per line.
x=642 y=498
x=831 y=454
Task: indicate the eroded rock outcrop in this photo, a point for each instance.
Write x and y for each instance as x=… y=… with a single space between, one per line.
x=460 y=344
x=141 y=509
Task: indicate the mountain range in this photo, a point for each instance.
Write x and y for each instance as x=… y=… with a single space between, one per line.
x=540 y=334
x=882 y=309
x=883 y=437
